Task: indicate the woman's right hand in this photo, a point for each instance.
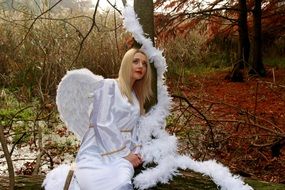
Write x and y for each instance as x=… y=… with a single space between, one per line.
x=135 y=159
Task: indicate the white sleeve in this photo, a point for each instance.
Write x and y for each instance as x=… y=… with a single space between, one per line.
x=108 y=136
x=135 y=143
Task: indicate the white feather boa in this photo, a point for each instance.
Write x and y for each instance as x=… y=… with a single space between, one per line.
x=162 y=149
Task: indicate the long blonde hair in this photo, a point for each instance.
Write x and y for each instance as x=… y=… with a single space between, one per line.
x=142 y=87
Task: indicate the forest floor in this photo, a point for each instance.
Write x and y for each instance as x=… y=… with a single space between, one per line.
x=251 y=116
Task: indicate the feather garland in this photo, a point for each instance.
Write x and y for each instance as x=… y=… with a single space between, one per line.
x=163 y=148
x=161 y=173
x=219 y=174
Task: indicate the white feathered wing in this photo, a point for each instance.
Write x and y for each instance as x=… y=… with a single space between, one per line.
x=74 y=99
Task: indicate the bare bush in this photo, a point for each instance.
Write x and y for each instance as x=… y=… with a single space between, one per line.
x=36 y=54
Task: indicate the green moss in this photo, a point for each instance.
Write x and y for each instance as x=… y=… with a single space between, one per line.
x=277 y=62
x=18 y=114
x=261 y=185
x=195 y=181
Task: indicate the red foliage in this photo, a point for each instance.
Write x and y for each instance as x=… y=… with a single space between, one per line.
x=26 y=169
x=222 y=22
x=252 y=114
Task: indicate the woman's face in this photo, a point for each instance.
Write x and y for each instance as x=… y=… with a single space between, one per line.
x=139 y=66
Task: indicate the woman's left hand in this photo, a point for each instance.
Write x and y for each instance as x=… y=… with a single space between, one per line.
x=135 y=159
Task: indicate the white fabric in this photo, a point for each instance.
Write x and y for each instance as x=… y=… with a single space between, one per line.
x=111 y=114
x=92 y=170
x=111 y=136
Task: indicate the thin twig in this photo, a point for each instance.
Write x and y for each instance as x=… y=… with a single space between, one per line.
x=114 y=7
x=34 y=21
x=89 y=31
x=250 y=124
x=12 y=119
x=255 y=104
x=50 y=159
x=203 y=116
x=17 y=142
x=245 y=112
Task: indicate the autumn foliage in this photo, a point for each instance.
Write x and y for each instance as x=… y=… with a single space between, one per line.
x=218 y=19
x=240 y=124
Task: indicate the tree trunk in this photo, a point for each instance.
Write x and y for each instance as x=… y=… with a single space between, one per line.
x=244 y=48
x=8 y=159
x=257 y=65
x=144 y=9
x=244 y=44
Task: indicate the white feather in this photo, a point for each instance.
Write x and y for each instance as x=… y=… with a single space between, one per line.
x=131 y=24
x=161 y=173
x=220 y=174
x=158 y=145
x=74 y=97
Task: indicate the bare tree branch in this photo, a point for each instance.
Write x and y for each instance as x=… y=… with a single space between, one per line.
x=34 y=21
x=200 y=113
x=114 y=6
x=89 y=31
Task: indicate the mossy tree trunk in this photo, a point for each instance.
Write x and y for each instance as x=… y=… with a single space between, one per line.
x=144 y=9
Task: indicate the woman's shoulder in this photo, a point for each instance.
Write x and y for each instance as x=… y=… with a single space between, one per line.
x=109 y=80
x=106 y=83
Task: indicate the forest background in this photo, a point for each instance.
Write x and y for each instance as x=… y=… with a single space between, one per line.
x=226 y=73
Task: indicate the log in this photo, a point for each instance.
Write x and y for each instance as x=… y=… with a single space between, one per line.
x=23 y=182
x=187 y=181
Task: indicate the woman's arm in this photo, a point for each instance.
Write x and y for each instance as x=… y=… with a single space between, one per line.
x=107 y=135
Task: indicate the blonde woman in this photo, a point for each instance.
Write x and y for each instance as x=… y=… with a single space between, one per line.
x=110 y=150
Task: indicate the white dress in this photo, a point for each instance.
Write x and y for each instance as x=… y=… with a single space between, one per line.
x=111 y=136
